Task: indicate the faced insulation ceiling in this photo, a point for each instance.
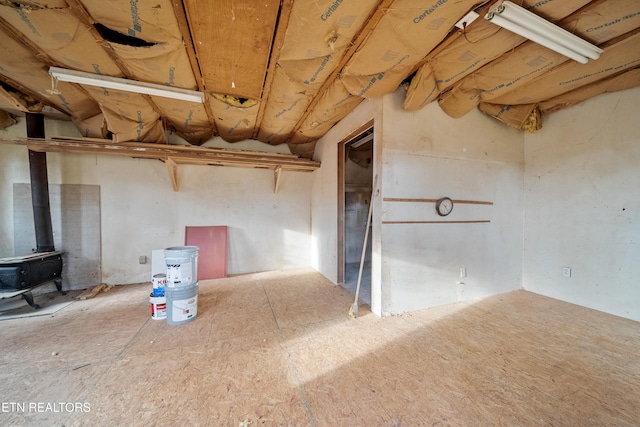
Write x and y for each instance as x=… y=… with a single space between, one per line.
x=285 y=71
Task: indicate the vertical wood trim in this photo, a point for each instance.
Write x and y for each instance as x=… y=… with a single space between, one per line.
x=172 y=167
x=276 y=176
x=341 y=207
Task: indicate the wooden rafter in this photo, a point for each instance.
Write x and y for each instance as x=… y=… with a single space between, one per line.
x=17 y=35
x=40 y=54
x=28 y=92
x=283 y=23
x=371 y=23
x=83 y=15
x=183 y=24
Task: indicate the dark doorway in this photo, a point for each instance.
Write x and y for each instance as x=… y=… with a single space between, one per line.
x=355 y=179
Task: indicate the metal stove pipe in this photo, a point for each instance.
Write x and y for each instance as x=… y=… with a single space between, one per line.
x=40 y=187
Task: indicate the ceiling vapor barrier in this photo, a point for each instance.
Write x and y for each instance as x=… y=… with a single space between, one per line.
x=285 y=72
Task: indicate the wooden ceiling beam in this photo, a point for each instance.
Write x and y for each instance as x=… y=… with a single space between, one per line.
x=184 y=155
x=283 y=23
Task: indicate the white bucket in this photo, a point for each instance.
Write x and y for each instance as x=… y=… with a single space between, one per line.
x=182 y=304
x=159 y=281
x=182 y=266
x=158 y=307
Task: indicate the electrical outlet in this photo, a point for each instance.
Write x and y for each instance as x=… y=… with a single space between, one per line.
x=142 y=259
x=566 y=271
x=466 y=20
x=463 y=272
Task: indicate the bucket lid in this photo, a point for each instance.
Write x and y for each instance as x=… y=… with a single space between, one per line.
x=183 y=248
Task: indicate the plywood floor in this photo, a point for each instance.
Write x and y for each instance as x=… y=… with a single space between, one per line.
x=279 y=348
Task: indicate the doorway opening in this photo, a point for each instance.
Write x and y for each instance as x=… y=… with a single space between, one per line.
x=355 y=181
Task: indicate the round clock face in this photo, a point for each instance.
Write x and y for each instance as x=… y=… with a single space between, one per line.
x=444 y=206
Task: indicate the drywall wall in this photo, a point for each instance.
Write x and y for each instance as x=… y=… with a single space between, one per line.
x=428 y=155
x=582 y=205
x=140 y=211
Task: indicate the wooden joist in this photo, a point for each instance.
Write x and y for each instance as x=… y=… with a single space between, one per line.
x=283 y=22
x=183 y=24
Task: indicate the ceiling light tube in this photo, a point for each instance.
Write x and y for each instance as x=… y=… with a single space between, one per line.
x=362 y=141
x=116 y=83
x=535 y=23
x=508 y=25
x=520 y=21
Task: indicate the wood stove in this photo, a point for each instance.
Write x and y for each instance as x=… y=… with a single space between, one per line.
x=19 y=275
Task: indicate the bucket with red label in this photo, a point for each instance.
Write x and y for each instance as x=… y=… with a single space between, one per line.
x=158 y=307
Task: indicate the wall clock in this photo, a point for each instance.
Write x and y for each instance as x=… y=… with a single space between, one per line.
x=444 y=206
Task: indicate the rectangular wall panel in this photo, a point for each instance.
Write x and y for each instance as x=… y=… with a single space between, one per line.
x=212 y=256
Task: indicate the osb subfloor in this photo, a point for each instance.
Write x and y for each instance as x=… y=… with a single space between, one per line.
x=279 y=348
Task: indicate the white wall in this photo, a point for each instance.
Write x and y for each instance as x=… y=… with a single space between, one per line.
x=582 y=204
x=426 y=154
x=579 y=194
x=141 y=212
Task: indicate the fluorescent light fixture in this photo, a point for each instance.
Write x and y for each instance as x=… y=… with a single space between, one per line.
x=362 y=141
x=527 y=24
x=116 y=83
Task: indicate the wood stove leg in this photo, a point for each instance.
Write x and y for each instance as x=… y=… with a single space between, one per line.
x=58 y=283
x=28 y=297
